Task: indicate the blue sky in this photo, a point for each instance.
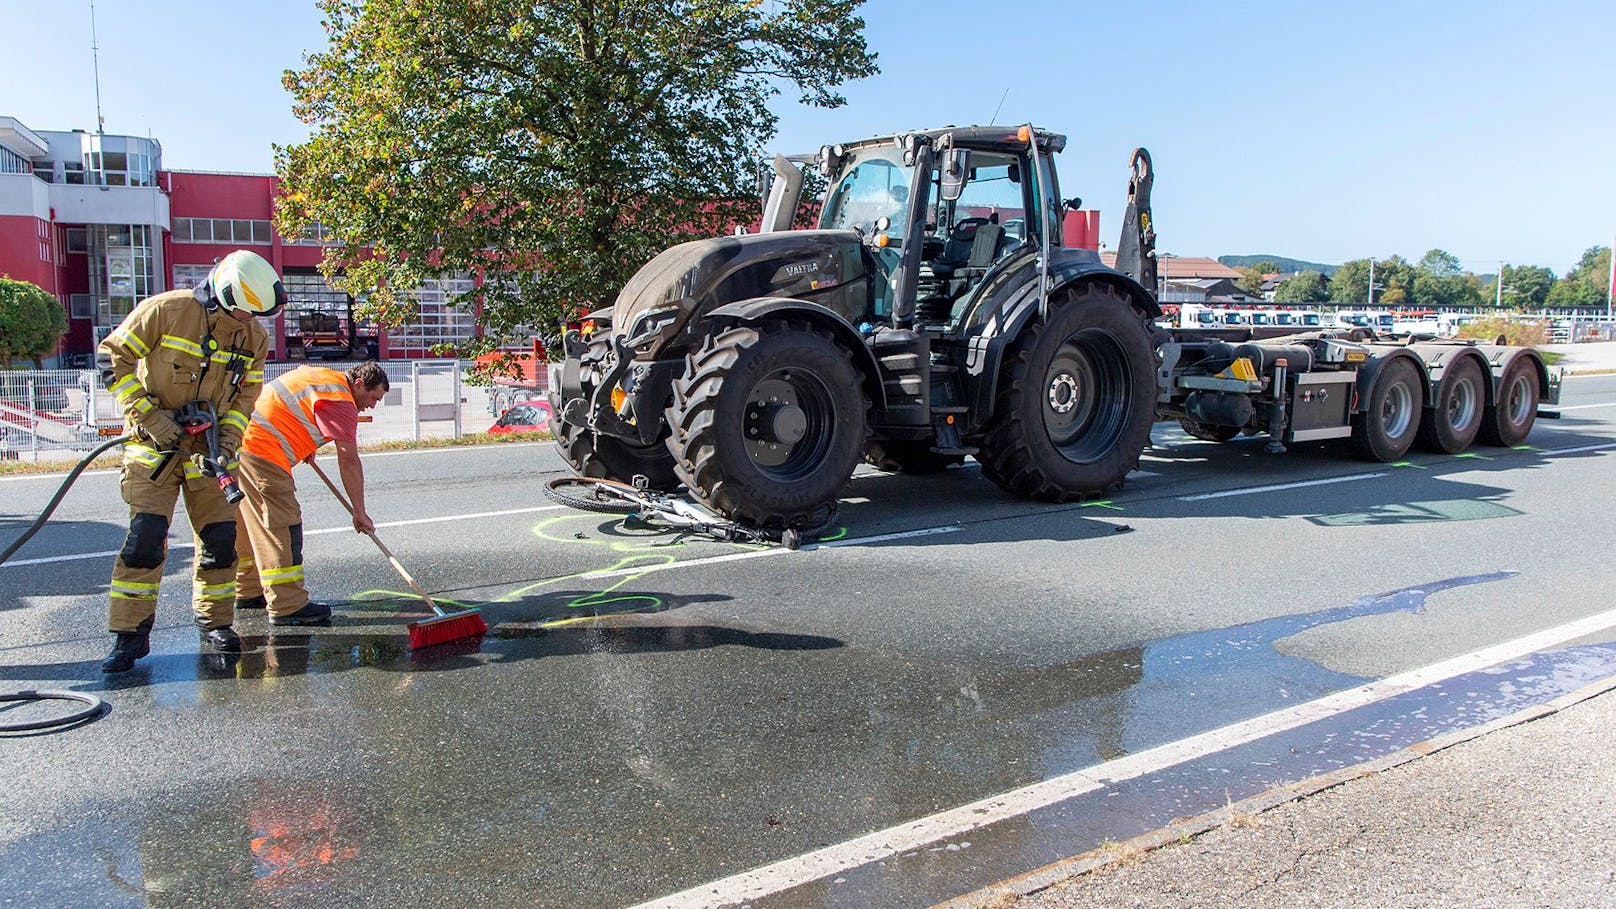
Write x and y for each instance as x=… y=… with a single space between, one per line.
x=1321 y=131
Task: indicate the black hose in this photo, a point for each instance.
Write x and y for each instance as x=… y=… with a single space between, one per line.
x=57 y=499
x=94 y=708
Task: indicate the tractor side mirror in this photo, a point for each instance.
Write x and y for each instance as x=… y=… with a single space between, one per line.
x=1074 y=204
x=956 y=172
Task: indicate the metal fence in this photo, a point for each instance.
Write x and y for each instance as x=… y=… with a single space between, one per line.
x=56 y=414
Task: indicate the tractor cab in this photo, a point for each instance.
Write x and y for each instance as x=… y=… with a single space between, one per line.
x=938 y=211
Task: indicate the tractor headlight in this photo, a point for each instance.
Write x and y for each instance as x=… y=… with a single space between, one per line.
x=650 y=324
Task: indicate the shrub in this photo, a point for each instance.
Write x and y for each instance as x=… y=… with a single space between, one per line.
x=1514 y=331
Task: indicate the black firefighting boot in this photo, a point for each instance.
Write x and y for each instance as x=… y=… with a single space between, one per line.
x=127 y=647
x=222 y=638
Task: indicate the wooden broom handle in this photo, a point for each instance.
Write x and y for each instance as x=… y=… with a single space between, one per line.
x=397 y=566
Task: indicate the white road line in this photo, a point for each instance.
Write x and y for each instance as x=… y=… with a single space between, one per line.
x=1251 y=490
x=1581 y=406
x=811 y=866
x=186 y=544
x=761 y=553
x=1581 y=449
x=327 y=459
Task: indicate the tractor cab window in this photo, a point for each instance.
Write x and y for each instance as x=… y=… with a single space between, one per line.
x=873 y=185
x=992 y=204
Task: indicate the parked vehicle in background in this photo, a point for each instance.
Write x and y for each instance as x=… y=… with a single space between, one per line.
x=1379 y=320
x=525 y=416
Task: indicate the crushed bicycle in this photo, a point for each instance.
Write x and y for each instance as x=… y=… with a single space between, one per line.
x=651 y=508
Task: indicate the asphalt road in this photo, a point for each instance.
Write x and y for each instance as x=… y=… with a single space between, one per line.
x=650 y=714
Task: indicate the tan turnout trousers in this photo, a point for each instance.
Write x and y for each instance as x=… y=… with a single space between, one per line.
x=269 y=537
x=151 y=510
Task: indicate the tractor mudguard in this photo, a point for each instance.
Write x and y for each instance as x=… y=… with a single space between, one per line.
x=787 y=307
x=1009 y=300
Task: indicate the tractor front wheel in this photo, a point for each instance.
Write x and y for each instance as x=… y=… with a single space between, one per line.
x=768 y=422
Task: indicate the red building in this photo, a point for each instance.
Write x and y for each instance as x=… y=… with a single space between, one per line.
x=96 y=221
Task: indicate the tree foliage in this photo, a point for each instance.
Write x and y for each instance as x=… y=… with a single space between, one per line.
x=1393 y=279
x=1587 y=284
x=1250 y=281
x=1440 y=280
x=1526 y=287
x=1307 y=287
x=31 y=322
x=553 y=147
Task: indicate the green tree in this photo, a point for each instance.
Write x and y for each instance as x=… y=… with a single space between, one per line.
x=1587 y=284
x=31 y=322
x=1440 y=280
x=1393 y=277
x=557 y=145
x=1307 y=287
x=1250 y=281
x=1526 y=287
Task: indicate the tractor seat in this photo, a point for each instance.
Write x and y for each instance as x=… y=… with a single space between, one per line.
x=958 y=247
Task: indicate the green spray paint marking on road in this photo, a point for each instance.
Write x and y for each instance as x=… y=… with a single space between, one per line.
x=1472 y=455
x=1101 y=503
x=1410 y=464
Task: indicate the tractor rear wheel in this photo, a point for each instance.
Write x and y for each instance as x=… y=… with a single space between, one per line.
x=768 y=422
x=1075 y=402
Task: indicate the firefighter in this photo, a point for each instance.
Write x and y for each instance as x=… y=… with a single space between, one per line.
x=294 y=416
x=174 y=352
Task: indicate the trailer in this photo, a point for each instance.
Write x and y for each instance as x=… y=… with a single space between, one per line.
x=910 y=330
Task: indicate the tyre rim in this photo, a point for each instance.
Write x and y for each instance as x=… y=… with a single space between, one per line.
x=788 y=425
x=1397 y=410
x=1463 y=405
x=1087 y=396
x=1519 y=401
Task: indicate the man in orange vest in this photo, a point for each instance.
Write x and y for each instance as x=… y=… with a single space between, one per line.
x=295 y=415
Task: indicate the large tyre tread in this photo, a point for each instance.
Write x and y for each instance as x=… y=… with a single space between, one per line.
x=695 y=442
x=1007 y=456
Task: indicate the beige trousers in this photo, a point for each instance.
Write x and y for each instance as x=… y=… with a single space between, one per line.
x=269 y=539
x=139 y=565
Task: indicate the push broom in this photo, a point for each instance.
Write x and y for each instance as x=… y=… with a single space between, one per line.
x=443 y=628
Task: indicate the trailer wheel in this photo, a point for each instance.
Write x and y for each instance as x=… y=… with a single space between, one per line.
x=594 y=455
x=1390 y=419
x=904 y=456
x=1451 y=424
x=1510 y=418
x=768 y=422
x=1075 y=401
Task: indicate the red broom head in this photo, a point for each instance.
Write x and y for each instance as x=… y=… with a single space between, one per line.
x=456 y=626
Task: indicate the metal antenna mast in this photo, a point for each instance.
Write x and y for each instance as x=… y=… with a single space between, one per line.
x=95 y=58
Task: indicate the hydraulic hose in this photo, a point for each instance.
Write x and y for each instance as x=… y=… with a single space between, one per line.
x=60 y=491
x=94 y=706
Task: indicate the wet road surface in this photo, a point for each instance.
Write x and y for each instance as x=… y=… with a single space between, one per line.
x=651 y=713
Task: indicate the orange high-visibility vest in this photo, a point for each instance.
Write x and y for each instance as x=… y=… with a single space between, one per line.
x=282 y=428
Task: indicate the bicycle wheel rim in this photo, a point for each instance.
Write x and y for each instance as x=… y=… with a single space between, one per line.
x=593 y=494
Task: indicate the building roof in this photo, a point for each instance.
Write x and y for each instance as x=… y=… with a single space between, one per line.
x=1185 y=267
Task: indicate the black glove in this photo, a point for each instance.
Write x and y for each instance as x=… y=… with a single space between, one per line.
x=160 y=427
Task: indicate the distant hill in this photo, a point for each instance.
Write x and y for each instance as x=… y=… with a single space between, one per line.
x=1293 y=265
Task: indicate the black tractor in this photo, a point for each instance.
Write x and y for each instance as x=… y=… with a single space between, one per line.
x=933 y=314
